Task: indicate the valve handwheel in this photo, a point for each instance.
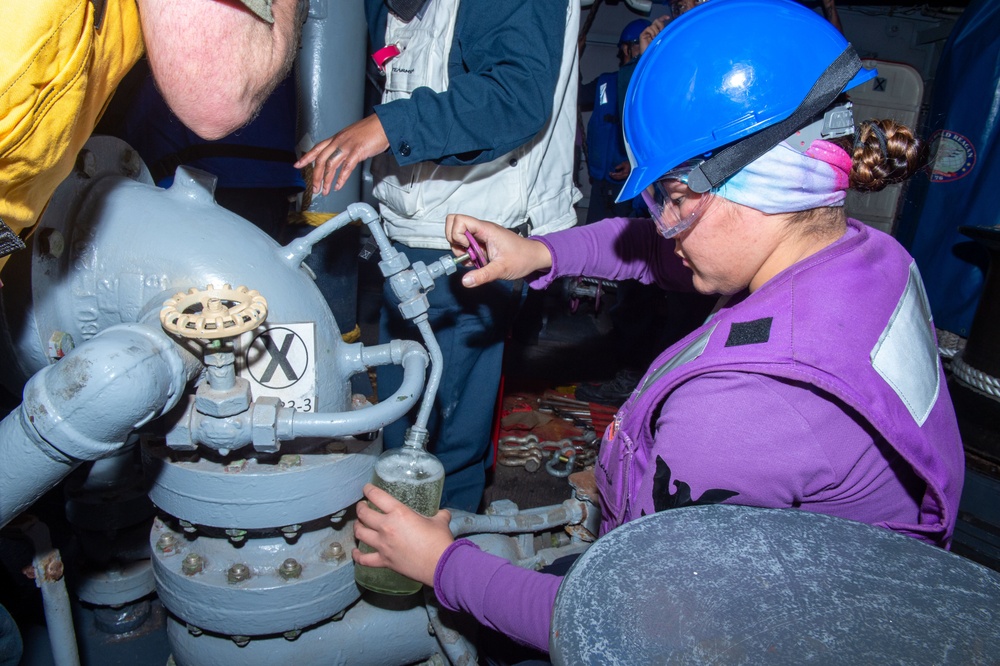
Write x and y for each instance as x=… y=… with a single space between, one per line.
x=212 y=313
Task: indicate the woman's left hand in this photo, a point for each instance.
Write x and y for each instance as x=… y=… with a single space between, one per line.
x=404 y=540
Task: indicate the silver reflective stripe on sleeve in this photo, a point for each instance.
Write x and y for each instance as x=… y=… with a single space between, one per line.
x=906 y=353
x=689 y=353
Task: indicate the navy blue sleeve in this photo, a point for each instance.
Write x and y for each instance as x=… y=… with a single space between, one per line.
x=585 y=97
x=376 y=14
x=503 y=68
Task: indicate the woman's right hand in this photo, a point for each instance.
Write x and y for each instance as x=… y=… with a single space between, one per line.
x=510 y=256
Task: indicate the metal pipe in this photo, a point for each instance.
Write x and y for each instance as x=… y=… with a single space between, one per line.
x=47 y=569
x=417 y=435
x=286 y=423
x=294 y=424
x=300 y=248
x=85 y=406
x=570 y=512
x=456 y=647
x=29 y=466
x=367 y=216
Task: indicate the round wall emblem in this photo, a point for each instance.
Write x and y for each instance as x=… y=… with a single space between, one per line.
x=952 y=156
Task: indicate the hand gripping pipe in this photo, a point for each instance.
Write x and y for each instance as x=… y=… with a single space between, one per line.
x=84 y=407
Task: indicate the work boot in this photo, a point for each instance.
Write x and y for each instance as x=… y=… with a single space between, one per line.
x=613 y=392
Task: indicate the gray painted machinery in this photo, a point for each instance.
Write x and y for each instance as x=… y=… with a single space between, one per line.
x=187 y=387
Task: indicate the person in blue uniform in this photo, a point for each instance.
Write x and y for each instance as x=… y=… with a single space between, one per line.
x=607 y=162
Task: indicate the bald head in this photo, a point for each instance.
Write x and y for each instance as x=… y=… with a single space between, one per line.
x=215 y=61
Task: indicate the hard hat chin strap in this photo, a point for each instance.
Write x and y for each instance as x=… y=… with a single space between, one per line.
x=729 y=160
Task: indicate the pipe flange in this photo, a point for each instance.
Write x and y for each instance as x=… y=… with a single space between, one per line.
x=212 y=313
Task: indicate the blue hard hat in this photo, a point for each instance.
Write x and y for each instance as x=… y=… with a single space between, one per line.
x=726 y=70
x=632 y=31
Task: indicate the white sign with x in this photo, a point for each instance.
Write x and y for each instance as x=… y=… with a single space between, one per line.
x=279 y=361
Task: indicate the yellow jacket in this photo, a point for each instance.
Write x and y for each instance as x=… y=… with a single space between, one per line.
x=60 y=70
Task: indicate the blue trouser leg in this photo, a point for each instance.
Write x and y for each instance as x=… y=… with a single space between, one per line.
x=470 y=326
x=10 y=640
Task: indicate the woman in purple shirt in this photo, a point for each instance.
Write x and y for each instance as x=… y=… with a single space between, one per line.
x=815 y=384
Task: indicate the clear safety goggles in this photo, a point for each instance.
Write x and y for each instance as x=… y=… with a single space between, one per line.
x=673 y=206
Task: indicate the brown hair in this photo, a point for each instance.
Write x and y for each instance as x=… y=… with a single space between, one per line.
x=882 y=152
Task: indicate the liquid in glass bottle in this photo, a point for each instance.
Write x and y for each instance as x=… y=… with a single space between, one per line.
x=415 y=478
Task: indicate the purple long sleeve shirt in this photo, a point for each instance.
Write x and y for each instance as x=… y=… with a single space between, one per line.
x=741 y=437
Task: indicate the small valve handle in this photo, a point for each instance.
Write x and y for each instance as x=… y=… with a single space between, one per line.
x=476 y=253
x=203 y=313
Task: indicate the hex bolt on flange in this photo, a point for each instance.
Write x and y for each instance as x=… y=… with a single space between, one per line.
x=290 y=568
x=193 y=563
x=293 y=634
x=241 y=641
x=238 y=573
x=333 y=553
x=167 y=543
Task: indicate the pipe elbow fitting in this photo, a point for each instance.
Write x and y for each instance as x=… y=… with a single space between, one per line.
x=86 y=405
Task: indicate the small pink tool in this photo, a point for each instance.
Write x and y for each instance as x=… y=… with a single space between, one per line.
x=476 y=254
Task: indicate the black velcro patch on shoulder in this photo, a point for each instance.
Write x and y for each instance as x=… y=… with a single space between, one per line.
x=750 y=332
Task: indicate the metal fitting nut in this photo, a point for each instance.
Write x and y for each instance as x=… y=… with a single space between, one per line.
x=54 y=568
x=333 y=553
x=181 y=436
x=167 y=543
x=238 y=573
x=60 y=344
x=264 y=424
x=290 y=460
x=223 y=403
x=192 y=564
x=290 y=569
x=51 y=243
